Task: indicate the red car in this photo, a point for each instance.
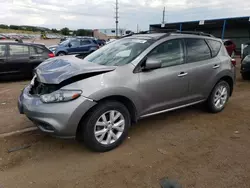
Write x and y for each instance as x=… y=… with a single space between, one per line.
x=230 y=46
x=2 y=37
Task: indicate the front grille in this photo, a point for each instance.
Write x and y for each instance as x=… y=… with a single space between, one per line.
x=40 y=88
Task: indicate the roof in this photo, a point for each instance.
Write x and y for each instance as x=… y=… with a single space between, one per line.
x=146 y=36
x=159 y=35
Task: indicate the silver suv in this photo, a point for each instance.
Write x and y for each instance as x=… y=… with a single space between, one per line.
x=97 y=99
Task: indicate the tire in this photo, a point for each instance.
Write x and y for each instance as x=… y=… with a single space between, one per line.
x=89 y=127
x=245 y=76
x=211 y=104
x=61 y=53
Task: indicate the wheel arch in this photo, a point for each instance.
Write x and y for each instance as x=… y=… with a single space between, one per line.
x=128 y=103
x=61 y=51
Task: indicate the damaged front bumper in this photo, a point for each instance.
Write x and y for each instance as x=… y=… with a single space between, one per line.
x=59 y=119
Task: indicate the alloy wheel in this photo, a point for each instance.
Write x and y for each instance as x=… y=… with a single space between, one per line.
x=220 y=97
x=109 y=127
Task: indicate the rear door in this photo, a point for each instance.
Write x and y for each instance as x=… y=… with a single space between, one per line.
x=3 y=59
x=37 y=55
x=204 y=65
x=18 y=58
x=85 y=45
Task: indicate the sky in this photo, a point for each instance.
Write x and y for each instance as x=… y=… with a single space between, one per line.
x=99 y=14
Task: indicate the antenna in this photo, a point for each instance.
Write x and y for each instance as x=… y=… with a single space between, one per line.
x=116 y=18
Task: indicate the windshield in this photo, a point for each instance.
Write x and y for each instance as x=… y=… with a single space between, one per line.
x=120 y=52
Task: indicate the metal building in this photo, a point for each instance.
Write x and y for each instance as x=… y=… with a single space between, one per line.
x=236 y=29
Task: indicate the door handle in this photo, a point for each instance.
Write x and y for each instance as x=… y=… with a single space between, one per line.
x=216 y=66
x=183 y=74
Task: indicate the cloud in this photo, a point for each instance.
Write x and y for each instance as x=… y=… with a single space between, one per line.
x=100 y=13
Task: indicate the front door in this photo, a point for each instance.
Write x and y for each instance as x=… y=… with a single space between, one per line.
x=18 y=59
x=74 y=47
x=166 y=87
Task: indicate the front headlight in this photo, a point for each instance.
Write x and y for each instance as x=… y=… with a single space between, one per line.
x=246 y=60
x=60 y=96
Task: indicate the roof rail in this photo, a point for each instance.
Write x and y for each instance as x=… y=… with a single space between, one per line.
x=164 y=31
x=194 y=33
x=168 y=32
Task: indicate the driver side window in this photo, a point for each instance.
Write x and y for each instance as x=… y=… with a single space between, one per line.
x=75 y=43
x=170 y=53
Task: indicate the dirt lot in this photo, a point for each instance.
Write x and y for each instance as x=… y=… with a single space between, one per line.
x=191 y=146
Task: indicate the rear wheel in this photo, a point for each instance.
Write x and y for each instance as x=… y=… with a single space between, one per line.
x=219 y=97
x=106 y=126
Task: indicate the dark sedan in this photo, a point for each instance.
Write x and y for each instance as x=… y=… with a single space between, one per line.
x=21 y=58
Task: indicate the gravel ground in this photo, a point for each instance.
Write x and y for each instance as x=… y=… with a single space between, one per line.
x=191 y=146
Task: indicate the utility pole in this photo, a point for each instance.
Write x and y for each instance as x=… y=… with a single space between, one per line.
x=137 y=28
x=116 y=18
x=163 y=17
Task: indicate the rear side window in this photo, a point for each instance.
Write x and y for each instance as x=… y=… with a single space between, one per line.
x=197 y=50
x=19 y=50
x=39 y=50
x=85 y=42
x=2 y=50
x=32 y=50
x=215 y=47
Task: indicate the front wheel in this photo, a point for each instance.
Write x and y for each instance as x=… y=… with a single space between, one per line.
x=218 y=97
x=106 y=126
x=61 y=54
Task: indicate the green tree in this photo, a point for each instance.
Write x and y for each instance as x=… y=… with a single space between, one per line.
x=65 y=31
x=83 y=32
x=16 y=27
x=54 y=30
x=3 y=26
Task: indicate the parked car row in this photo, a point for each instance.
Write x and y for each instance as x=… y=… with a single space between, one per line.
x=98 y=98
x=75 y=46
x=28 y=36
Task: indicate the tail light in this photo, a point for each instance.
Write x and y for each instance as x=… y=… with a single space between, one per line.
x=233 y=61
x=98 y=46
x=51 y=55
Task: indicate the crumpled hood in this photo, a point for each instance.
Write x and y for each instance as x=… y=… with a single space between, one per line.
x=59 y=69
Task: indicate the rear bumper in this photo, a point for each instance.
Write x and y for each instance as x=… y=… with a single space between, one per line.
x=58 y=119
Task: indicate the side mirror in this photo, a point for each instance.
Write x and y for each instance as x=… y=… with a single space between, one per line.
x=152 y=63
x=69 y=45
